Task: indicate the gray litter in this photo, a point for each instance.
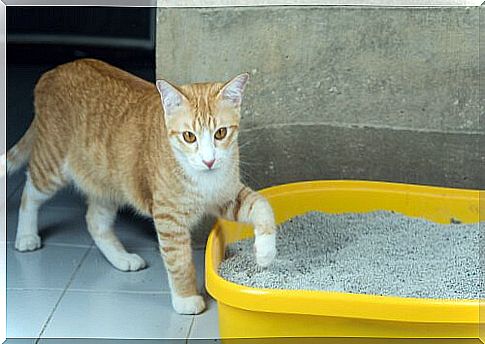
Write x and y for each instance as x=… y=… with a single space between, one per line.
x=379 y=253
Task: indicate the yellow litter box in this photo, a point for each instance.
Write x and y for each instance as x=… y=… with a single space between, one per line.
x=246 y=312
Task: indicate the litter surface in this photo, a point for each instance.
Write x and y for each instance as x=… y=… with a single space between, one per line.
x=379 y=253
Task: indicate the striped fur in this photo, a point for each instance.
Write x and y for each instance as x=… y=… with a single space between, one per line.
x=120 y=141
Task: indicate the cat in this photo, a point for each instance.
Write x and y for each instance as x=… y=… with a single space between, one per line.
x=168 y=151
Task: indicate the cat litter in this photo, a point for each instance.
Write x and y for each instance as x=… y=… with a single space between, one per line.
x=379 y=253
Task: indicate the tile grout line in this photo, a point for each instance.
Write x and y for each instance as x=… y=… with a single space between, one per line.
x=110 y=291
x=49 y=318
x=190 y=329
x=32 y=289
x=99 y=291
x=57 y=244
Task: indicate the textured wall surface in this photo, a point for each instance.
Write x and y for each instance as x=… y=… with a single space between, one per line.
x=341 y=92
x=387 y=3
x=482 y=148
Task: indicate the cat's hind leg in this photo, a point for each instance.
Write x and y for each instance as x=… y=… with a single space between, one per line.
x=100 y=218
x=27 y=238
x=45 y=177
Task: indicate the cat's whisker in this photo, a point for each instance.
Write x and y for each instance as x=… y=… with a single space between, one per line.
x=245 y=174
x=252 y=162
x=246 y=161
x=245 y=144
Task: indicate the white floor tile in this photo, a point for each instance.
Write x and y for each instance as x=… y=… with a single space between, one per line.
x=96 y=273
x=20 y=341
x=56 y=225
x=206 y=325
x=205 y=328
x=136 y=304
x=28 y=310
x=48 y=267
x=117 y=315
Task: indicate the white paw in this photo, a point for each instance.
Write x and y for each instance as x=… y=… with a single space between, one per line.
x=188 y=305
x=265 y=249
x=27 y=242
x=128 y=262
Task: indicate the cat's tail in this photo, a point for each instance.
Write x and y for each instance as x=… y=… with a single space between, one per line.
x=18 y=155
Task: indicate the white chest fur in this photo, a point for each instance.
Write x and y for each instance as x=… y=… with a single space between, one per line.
x=215 y=187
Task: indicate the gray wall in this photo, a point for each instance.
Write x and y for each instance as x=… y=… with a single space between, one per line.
x=341 y=92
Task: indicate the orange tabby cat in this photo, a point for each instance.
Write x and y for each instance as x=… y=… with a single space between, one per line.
x=107 y=131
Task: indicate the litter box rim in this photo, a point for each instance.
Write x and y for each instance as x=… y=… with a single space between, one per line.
x=339 y=304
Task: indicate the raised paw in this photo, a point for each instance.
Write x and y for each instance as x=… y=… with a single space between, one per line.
x=128 y=262
x=188 y=305
x=265 y=249
x=27 y=242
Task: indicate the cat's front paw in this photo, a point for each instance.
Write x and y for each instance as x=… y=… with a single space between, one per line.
x=188 y=305
x=27 y=243
x=128 y=262
x=265 y=249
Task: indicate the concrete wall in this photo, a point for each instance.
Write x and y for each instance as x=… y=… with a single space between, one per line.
x=341 y=92
x=386 y=3
x=482 y=194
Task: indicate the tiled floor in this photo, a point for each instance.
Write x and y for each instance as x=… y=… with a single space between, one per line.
x=67 y=289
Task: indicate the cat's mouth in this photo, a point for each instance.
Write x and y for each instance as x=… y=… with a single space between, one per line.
x=209 y=170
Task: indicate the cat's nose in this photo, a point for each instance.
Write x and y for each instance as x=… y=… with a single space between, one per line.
x=209 y=163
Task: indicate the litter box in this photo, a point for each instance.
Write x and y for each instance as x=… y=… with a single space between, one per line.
x=246 y=312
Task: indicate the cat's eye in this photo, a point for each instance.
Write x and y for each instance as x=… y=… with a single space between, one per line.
x=189 y=137
x=220 y=133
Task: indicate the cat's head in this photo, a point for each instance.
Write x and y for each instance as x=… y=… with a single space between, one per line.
x=202 y=122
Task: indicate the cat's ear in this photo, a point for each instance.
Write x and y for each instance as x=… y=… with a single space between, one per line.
x=171 y=96
x=234 y=88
